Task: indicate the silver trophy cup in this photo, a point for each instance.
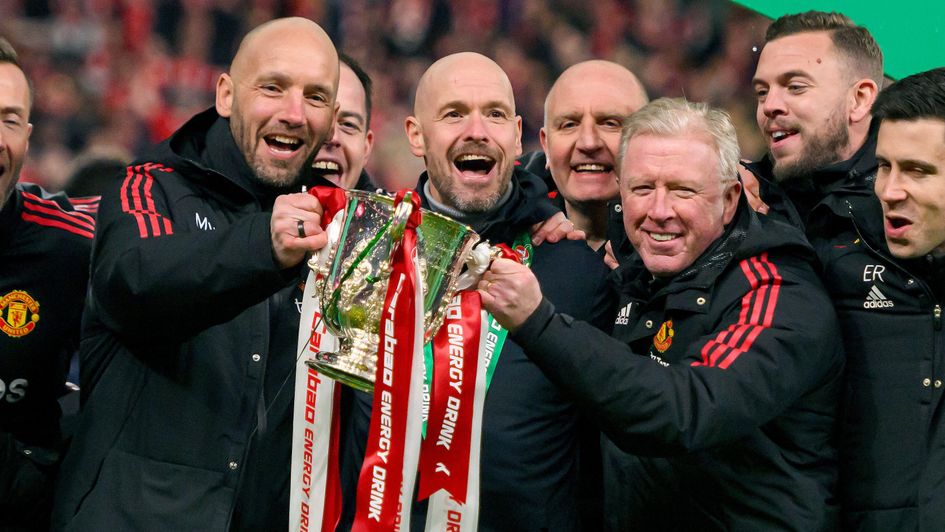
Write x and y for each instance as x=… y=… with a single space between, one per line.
x=352 y=284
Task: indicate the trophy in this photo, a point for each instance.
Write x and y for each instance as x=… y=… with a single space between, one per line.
x=352 y=281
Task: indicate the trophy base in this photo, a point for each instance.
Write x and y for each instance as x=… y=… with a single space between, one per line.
x=328 y=364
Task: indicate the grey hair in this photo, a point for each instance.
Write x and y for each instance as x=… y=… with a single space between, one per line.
x=666 y=117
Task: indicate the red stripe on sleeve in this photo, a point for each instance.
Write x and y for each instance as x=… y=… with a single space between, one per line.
x=79 y=218
x=56 y=214
x=757 y=314
x=39 y=220
x=136 y=199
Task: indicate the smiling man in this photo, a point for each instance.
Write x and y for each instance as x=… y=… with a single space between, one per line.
x=816 y=80
x=342 y=157
x=886 y=271
x=466 y=130
x=584 y=114
x=190 y=330
x=714 y=379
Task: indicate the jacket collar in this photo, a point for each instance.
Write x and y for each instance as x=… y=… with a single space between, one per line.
x=516 y=215
x=10 y=217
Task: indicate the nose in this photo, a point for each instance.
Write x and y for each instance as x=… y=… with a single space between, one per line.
x=773 y=103
x=890 y=188
x=661 y=207
x=292 y=112
x=476 y=128
x=589 y=139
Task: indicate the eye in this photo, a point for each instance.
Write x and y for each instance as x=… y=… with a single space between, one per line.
x=317 y=98
x=453 y=114
x=270 y=88
x=498 y=114
x=760 y=93
x=568 y=124
x=684 y=192
x=613 y=122
x=350 y=126
x=641 y=190
x=12 y=121
x=796 y=88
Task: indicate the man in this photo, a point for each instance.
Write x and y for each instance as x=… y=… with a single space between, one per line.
x=465 y=127
x=584 y=113
x=44 y=265
x=191 y=323
x=342 y=157
x=715 y=379
x=816 y=80
x=885 y=268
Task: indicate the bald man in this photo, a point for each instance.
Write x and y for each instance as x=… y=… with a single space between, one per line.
x=191 y=323
x=466 y=130
x=584 y=114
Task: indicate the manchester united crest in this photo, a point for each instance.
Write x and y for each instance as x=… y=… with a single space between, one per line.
x=19 y=313
x=664 y=336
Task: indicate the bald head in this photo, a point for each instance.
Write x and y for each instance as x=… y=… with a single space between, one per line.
x=460 y=69
x=279 y=97
x=624 y=83
x=465 y=128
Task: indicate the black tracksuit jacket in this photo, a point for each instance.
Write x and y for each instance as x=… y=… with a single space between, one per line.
x=190 y=329
x=892 y=438
x=722 y=382
x=44 y=272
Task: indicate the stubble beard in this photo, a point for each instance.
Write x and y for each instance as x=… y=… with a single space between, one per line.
x=820 y=151
x=469 y=201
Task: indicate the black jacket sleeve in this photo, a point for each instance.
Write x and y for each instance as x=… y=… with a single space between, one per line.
x=649 y=409
x=155 y=280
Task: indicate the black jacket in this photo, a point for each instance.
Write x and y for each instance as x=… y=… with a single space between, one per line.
x=535 y=469
x=719 y=383
x=44 y=271
x=190 y=330
x=892 y=461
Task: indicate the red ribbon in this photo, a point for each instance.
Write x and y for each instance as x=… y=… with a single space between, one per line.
x=444 y=455
x=333 y=200
x=379 y=484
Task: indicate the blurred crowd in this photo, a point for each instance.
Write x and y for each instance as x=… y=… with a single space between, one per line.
x=114 y=76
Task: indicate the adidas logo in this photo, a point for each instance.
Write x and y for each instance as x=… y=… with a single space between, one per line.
x=623 y=317
x=876 y=299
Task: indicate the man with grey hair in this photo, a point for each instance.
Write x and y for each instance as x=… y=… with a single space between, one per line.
x=713 y=378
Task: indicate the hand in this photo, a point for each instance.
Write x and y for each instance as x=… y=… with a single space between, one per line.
x=554 y=229
x=752 y=190
x=296 y=228
x=609 y=258
x=510 y=292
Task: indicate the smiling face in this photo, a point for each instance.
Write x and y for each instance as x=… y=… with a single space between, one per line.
x=584 y=114
x=280 y=98
x=15 y=128
x=804 y=103
x=910 y=184
x=466 y=130
x=674 y=205
x=344 y=154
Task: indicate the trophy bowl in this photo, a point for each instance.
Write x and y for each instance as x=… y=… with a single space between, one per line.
x=352 y=283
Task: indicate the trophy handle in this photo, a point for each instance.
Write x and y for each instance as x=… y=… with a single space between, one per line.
x=398 y=223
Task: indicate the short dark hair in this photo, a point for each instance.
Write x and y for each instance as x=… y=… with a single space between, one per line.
x=9 y=56
x=365 y=80
x=863 y=56
x=917 y=96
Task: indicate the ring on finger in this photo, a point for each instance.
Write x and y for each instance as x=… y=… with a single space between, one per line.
x=300 y=228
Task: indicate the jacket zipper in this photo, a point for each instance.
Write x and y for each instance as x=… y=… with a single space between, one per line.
x=937 y=315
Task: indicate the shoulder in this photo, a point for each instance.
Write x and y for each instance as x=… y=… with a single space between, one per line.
x=54 y=216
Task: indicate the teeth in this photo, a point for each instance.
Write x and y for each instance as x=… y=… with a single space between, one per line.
x=326 y=165
x=590 y=168
x=285 y=140
x=473 y=157
x=663 y=237
x=778 y=135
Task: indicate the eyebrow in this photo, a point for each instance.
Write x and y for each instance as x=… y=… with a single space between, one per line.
x=15 y=109
x=488 y=105
x=283 y=78
x=920 y=165
x=351 y=114
x=784 y=75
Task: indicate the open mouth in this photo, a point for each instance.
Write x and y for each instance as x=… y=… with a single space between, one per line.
x=782 y=134
x=283 y=143
x=592 y=168
x=327 y=169
x=474 y=164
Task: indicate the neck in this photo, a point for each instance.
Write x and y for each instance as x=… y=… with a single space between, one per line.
x=858 y=135
x=472 y=219
x=590 y=217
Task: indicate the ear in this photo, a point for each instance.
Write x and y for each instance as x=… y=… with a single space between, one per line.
x=29 y=131
x=543 y=139
x=518 y=136
x=368 y=144
x=730 y=201
x=224 y=100
x=863 y=94
x=415 y=136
